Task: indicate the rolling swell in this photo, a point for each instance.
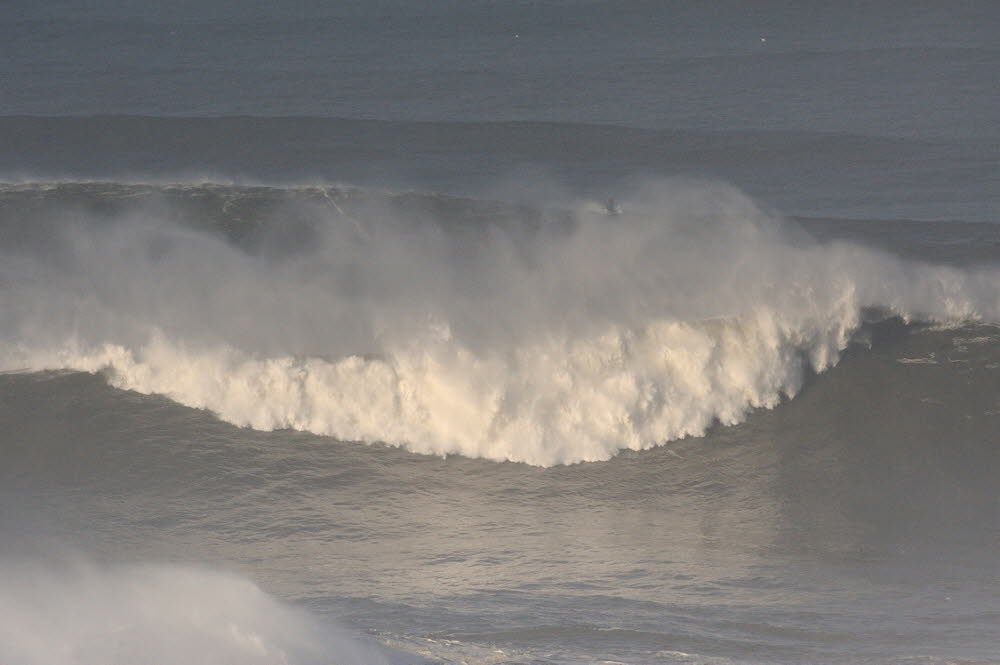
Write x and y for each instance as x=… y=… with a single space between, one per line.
x=446 y=325
x=167 y=614
x=838 y=174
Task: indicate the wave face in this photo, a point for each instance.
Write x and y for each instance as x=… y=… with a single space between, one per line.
x=443 y=325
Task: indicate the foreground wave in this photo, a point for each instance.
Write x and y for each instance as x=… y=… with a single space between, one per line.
x=448 y=326
x=83 y=613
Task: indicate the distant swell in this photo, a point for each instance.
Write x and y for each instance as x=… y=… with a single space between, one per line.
x=430 y=324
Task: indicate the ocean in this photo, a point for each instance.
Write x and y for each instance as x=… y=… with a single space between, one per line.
x=510 y=332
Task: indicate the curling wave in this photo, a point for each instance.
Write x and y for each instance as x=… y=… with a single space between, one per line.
x=409 y=321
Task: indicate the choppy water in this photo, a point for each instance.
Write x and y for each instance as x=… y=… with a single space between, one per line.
x=321 y=343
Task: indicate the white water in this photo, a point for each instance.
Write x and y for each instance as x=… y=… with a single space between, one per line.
x=546 y=347
x=83 y=614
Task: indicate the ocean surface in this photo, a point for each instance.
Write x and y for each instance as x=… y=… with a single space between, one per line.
x=514 y=332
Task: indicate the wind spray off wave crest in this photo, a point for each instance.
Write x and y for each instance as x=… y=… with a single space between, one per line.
x=541 y=340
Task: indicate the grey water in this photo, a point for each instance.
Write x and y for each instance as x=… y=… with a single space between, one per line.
x=321 y=343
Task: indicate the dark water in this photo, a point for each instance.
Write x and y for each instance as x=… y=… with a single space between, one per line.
x=322 y=343
x=891 y=69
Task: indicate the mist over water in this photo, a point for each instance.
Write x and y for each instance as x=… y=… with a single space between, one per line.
x=544 y=340
x=71 y=612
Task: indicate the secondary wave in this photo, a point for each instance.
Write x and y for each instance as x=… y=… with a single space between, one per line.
x=447 y=326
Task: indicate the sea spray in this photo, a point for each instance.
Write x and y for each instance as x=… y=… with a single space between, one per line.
x=420 y=325
x=85 y=614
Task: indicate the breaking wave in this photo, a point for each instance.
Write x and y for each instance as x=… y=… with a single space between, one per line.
x=448 y=326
